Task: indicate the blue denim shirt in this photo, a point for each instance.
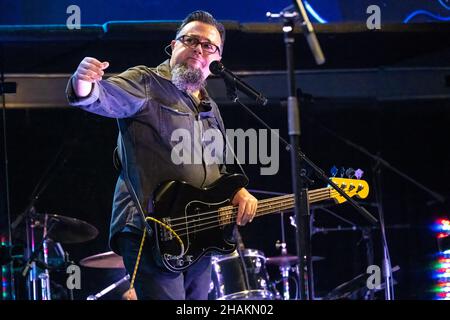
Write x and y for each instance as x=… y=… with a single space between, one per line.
x=149 y=108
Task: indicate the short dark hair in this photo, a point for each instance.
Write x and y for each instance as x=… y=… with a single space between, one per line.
x=205 y=17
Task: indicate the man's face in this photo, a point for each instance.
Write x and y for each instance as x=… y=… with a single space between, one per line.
x=196 y=57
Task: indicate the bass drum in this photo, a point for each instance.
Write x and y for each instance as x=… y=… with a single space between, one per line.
x=240 y=277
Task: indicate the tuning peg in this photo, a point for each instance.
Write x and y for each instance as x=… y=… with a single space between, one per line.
x=334 y=171
x=350 y=173
x=342 y=172
x=358 y=174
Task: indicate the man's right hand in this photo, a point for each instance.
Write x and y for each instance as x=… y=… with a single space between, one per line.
x=89 y=70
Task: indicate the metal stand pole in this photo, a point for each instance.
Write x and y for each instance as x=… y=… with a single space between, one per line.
x=108 y=289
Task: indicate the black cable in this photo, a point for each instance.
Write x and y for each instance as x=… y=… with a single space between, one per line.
x=244 y=267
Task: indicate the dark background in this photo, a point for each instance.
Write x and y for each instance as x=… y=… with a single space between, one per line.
x=410 y=134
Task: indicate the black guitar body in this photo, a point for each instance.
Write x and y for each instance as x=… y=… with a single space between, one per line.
x=193 y=214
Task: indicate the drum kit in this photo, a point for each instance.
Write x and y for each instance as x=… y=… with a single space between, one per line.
x=44 y=235
x=241 y=275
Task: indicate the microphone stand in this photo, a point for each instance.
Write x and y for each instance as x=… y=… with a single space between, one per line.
x=299 y=183
x=386 y=265
x=303 y=220
x=299 y=179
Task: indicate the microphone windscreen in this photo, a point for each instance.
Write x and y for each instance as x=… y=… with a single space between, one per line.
x=216 y=67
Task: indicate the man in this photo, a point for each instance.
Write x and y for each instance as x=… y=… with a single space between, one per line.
x=150 y=104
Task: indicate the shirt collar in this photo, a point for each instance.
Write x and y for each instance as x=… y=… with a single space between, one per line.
x=164 y=71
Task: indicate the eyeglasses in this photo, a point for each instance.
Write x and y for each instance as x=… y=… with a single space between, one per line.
x=192 y=42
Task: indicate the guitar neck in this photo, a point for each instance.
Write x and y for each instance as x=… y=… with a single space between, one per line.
x=227 y=215
x=281 y=203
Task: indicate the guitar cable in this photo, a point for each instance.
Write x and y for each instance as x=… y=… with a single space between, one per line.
x=138 y=259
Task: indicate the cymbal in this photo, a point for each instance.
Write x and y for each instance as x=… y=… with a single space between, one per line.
x=288 y=259
x=66 y=229
x=103 y=260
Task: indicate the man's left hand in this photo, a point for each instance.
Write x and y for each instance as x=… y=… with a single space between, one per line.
x=247 y=206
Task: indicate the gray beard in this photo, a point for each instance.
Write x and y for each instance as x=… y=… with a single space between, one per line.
x=187 y=79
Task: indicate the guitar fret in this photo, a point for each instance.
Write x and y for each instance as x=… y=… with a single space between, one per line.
x=227 y=214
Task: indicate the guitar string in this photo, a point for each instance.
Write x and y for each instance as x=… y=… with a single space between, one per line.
x=230 y=212
x=264 y=202
x=215 y=226
x=217 y=222
x=232 y=217
x=235 y=209
x=263 y=209
x=332 y=192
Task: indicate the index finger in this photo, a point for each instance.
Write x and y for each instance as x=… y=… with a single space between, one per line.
x=93 y=61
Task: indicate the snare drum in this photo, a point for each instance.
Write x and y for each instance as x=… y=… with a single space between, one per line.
x=240 y=277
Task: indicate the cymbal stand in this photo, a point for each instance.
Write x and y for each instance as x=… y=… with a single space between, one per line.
x=45 y=275
x=31 y=249
x=33 y=261
x=284 y=269
x=67 y=262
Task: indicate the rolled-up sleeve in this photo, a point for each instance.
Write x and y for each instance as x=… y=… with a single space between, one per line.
x=119 y=96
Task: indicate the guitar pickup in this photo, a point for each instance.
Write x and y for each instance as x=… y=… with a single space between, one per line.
x=165 y=235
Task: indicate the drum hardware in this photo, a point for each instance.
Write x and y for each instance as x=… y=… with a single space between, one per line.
x=108 y=260
x=108 y=289
x=240 y=277
x=355 y=285
x=283 y=267
x=55 y=229
x=103 y=260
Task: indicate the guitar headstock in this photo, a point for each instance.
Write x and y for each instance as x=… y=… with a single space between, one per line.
x=352 y=187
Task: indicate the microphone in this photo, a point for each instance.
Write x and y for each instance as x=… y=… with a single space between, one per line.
x=309 y=33
x=217 y=68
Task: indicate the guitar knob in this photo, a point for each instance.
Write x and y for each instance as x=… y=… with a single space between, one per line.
x=180 y=262
x=342 y=172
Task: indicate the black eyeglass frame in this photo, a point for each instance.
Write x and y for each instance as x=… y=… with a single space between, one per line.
x=198 y=41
